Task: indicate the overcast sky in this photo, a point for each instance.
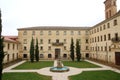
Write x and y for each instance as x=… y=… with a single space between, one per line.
x=29 y=13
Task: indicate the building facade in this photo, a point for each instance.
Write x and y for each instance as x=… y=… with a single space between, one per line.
x=11 y=48
x=100 y=42
x=53 y=41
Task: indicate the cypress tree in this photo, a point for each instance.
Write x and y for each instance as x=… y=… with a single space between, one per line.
x=72 y=49
x=78 y=54
x=32 y=50
x=1 y=48
x=37 y=51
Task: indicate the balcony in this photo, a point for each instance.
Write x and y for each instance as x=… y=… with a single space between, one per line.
x=115 y=39
x=57 y=44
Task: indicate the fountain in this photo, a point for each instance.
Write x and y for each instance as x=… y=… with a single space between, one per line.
x=59 y=67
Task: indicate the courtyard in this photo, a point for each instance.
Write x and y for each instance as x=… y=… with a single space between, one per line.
x=84 y=70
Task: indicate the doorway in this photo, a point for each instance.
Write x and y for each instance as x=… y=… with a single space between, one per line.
x=57 y=53
x=87 y=55
x=117 y=58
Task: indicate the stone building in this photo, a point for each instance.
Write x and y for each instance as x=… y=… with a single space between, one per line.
x=11 y=46
x=98 y=42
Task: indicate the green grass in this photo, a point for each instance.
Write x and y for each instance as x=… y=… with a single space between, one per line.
x=35 y=65
x=81 y=64
x=25 y=76
x=96 y=75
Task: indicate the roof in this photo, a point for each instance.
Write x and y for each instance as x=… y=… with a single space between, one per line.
x=11 y=39
x=54 y=28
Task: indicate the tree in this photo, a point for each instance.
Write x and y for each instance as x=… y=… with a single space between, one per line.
x=37 y=51
x=32 y=50
x=78 y=54
x=72 y=49
x=1 y=48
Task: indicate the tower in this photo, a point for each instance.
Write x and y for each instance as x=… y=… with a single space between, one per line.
x=110 y=8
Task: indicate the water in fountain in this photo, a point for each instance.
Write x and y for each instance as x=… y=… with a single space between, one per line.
x=59 y=67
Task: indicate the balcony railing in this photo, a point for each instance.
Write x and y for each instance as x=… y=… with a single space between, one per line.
x=57 y=44
x=115 y=39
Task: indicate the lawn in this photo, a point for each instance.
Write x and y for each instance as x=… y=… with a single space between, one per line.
x=25 y=76
x=35 y=65
x=81 y=64
x=96 y=75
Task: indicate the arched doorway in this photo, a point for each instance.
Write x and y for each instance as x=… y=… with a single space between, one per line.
x=87 y=55
x=57 y=53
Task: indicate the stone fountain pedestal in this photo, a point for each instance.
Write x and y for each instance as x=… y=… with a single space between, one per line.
x=59 y=67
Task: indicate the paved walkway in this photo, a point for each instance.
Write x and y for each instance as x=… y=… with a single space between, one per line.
x=63 y=75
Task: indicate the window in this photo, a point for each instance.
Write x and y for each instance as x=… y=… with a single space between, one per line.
x=101 y=48
x=94 y=30
x=65 y=32
x=25 y=41
x=41 y=56
x=110 y=13
x=17 y=55
x=57 y=32
x=13 y=46
x=115 y=22
x=100 y=28
x=104 y=37
x=98 y=48
x=116 y=35
x=97 y=29
x=98 y=38
x=92 y=39
x=41 y=32
x=95 y=39
x=17 y=46
x=13 y=56
x=109 y=48
x=105 y=48
x=41 y=48
x=57 y=40
x=64 y=47
x=87 y=48
x=25 y=33
x=86 y=40
x=49 y=41
x=41 y=41
x=8 y=46
x=25 y=48
x=49 y=47
x=64 y=55
x=101 y=38
x=86 y=32
x=109 y=37
x=79 y=32
x=72 y=32
x=64 y=40
x=8 y=57
x=49 y=32
x=49 y=55
x=104 y=27
x=108 y=25
x=33 y=32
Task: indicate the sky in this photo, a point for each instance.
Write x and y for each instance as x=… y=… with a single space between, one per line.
x=29 y=13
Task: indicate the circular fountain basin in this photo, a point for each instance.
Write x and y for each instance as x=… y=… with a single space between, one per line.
x=56 y=69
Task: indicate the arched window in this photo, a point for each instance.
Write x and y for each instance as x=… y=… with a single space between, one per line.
x=41 y=56
x=49 y=55
x=24 y=55
x=64 y=55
